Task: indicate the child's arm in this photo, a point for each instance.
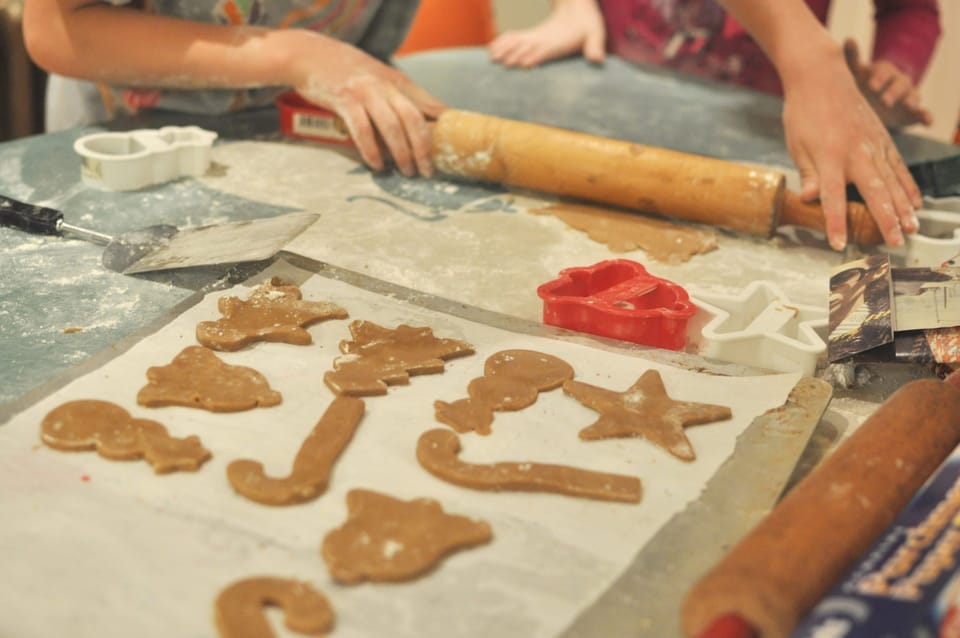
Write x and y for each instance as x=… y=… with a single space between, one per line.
x=574 y=26
x=832 y=133
x=890 y=91
x=906 y=35
x=125 y=46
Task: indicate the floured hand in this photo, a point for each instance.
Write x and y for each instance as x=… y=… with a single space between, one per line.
x=834 y=138
x=377 y=103
x=890 y=91
x=574 y=26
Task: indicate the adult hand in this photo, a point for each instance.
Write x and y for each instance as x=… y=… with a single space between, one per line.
x=890 y=91
x=574 y=26
x=377 y=102
x=835 y=137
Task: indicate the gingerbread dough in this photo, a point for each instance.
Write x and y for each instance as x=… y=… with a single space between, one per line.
x=197 y=378
x=644 y=410
x=437 y=452
x=274 y=311
x=239 y=608
x=621 y=232
x=378 y=357
x=386 y=539
x=312 y=465
x=511 y=380
x=114 y=434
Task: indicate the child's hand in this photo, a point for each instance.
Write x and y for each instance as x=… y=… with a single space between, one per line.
x=889 y=90
x=574 y=26
x=377 y=103
x=835 y=137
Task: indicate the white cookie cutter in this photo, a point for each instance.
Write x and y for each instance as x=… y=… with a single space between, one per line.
x=758 y=327
x=935 y=242
x=138 y=158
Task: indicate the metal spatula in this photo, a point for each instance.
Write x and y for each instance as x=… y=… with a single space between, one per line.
x=164 y=247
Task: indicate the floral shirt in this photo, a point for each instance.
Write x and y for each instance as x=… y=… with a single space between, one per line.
x=697 y=36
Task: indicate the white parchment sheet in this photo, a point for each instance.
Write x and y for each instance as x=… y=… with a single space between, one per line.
x=92 y=547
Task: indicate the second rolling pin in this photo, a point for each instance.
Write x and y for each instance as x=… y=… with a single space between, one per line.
x=794 y=555
x=742 y=198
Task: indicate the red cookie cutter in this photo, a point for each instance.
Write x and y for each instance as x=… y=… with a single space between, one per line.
x=300 y=118
x=618 y=298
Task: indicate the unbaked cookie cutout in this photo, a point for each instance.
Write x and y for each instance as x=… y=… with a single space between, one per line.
x=437 y=452
x=378 y=357
x=387 y=540
x=512 y=380
x=89 y=424
x=198 y=378
x=312 y=465
x=273 y=311
x=239 y=608
x=644 y=410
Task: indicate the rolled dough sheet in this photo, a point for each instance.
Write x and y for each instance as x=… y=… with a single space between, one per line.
x=105 y=548
x=475 y=244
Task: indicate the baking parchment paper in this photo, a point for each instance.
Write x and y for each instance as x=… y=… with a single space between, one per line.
x=104 y=548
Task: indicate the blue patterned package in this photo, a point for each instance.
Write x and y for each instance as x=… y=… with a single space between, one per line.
x=908 y=584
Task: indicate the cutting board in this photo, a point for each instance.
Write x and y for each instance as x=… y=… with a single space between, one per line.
x=107 y=548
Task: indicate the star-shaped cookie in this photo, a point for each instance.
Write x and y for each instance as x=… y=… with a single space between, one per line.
x=644 y=410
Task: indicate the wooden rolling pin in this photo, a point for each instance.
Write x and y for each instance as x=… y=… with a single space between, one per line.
x=742 y=198
x=778 y=572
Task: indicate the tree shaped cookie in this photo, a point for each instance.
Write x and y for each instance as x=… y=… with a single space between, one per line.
x=114 y=434
x=239 y=610
x=511 y=380
x=378 y=357
x=386 y=539
x=437 y=452
x=274 y=311
x=312 y=465
x=197 y=378
x=644 y=410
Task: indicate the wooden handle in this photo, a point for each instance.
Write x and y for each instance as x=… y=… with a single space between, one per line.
x=861 y=227
x=654 y=180
x=777 y=573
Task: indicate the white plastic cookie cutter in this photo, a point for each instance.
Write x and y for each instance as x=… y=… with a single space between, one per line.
x=938 y=238
x=759 y=327
x=138 y=158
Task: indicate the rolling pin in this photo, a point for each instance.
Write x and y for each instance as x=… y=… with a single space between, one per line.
x=690 y=187
x=780 y=569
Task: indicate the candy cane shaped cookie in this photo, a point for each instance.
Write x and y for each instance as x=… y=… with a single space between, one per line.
x=239 y=608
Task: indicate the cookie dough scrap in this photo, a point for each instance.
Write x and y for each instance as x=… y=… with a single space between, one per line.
x=644 y=410
x=312 y=465
x=437 y=452
x=663 y=241
x=378 y=357
x=388 y=540
x=239 y=609
x=89 y=424
x=511 y=380
x=198 y=378
x=273 y=311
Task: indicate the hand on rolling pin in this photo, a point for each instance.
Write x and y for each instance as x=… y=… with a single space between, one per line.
x=128 y=47
x=574 y=26
x=835 y=137
x=374 y=100
x=890 y=91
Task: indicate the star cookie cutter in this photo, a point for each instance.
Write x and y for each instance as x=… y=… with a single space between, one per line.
x=618 y=298
x=760 y=327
